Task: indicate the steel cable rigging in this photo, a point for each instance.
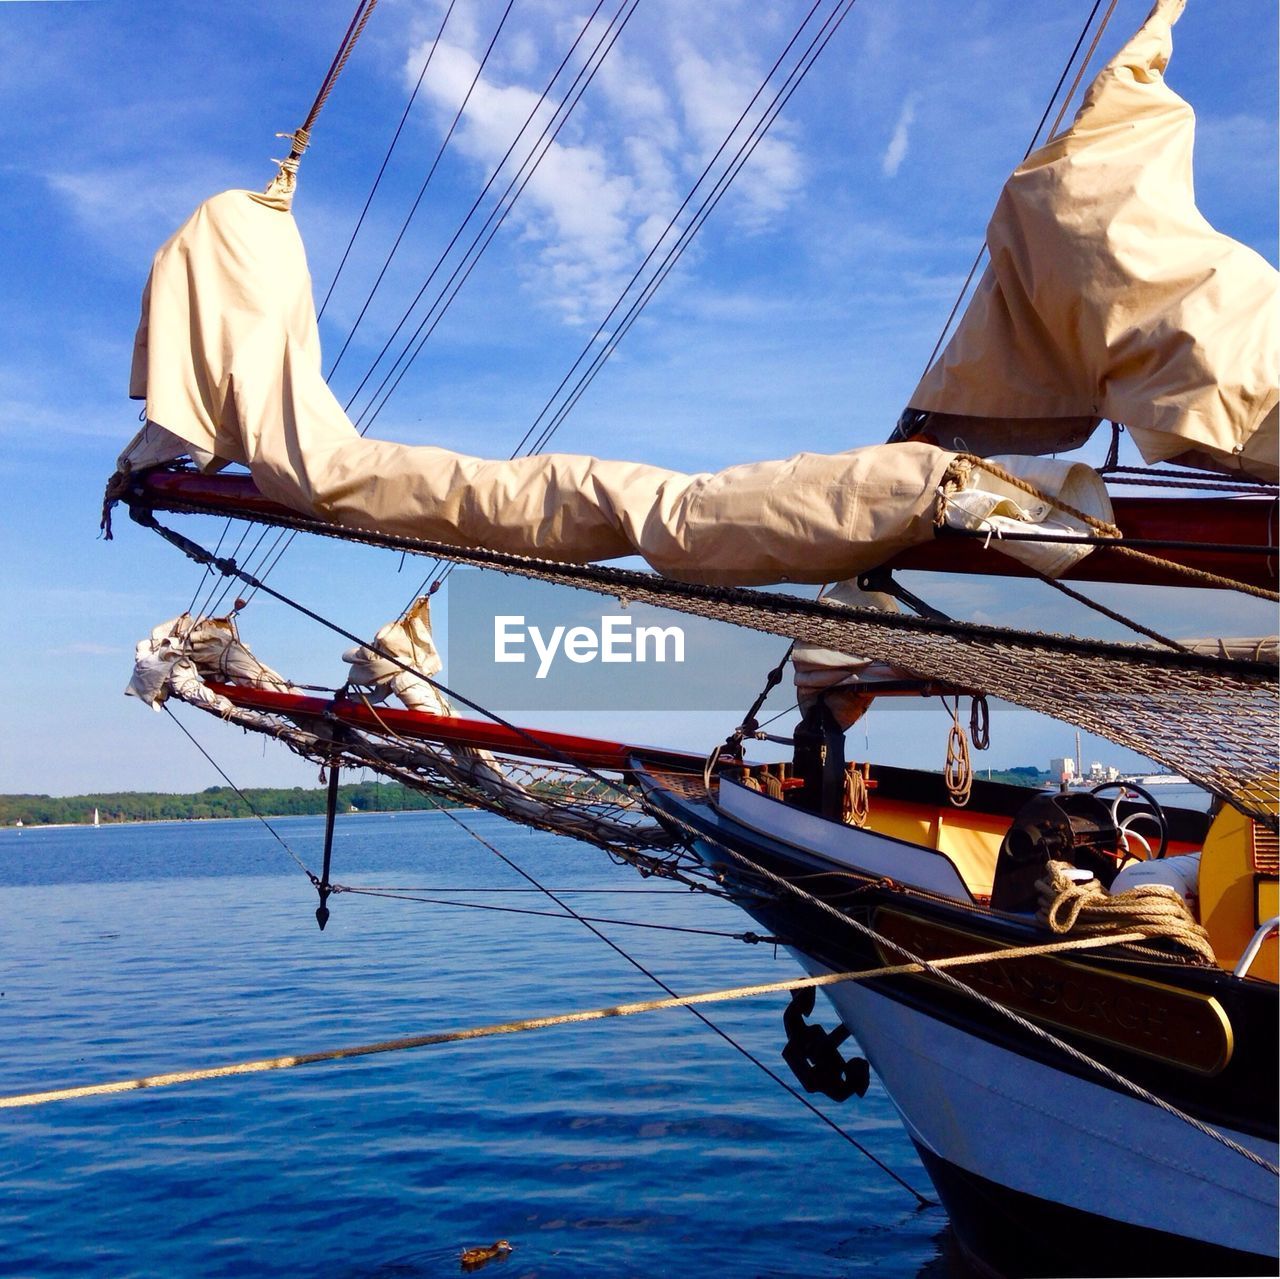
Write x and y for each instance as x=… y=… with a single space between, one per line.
x=386 y=159
x=502 y=206
x=1031 y=146
x=422 y=190
x=757 y=131
x=489 y=228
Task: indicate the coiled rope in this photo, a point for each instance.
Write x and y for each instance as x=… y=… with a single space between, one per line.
x=1088 y=910
x=958 y=773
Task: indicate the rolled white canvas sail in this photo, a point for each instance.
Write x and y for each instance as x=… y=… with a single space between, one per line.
x=1108 y=295
x=228 y=359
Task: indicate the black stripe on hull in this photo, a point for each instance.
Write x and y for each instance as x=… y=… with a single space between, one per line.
x=1020 y=1236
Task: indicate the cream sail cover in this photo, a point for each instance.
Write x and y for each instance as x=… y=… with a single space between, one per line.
x=1108 y=295
x=228 y=359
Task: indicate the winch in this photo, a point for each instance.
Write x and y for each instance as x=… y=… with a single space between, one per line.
x=1073 y=827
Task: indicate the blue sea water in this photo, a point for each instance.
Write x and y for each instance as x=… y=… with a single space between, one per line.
x=641 y=1146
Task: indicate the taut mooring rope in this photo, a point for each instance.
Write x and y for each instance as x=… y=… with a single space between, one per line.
x=288 y=1061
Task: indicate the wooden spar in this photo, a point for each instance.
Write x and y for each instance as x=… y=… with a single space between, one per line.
x=1218 y=524
x=534 y=743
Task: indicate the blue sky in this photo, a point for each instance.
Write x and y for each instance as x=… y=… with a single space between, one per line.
x=801 y=318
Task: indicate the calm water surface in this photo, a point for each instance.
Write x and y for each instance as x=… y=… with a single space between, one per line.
x=645 y=1146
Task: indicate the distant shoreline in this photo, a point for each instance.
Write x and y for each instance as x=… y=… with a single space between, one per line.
x=222 y=803
x=217 y=803
x=244 y=817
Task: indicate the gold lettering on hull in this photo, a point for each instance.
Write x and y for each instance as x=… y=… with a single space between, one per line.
x=1180 y=1027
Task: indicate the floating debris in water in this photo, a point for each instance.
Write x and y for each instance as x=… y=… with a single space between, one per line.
x=474 y=1258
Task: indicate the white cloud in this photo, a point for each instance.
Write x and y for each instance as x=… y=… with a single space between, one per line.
x=606 y=188
x=896 y=151
x=712 y=97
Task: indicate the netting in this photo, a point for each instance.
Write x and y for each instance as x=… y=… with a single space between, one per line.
x=1211 y=719
x=606 y=812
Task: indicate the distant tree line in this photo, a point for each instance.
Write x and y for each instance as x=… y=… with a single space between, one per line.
x=217 y=801
x=297 y=801
x=1024 y=775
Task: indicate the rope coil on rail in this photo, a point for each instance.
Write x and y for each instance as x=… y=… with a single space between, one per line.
x=1088 y=910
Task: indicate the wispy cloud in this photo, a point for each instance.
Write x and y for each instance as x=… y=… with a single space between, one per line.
x=599 y=200
x=133 y=208
x=896 y=151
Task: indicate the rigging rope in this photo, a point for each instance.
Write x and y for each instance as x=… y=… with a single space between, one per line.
x=676 y=250
x=426 y=182
x=749 y=937
x=301 y=136
x=551 y=129
x=936 y=969
x=1110 y=613
x=244 y=799
x=491 y=225
x=661 y=239
x=1210 y=719
x=792 y=82
x=386 y=159
x=955 y=475
x=933 y=968
x=292 y=1060
x=701 y=1016
x=1172 y=477
x=1031 y=146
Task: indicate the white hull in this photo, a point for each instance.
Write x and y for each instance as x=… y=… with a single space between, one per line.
x=1029 y=1128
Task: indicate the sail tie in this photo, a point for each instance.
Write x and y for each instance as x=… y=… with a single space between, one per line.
x=286 y=176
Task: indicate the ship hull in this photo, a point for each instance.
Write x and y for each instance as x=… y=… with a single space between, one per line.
x=1043 y=1173
x=1003 y=1232
x=1045 y=1165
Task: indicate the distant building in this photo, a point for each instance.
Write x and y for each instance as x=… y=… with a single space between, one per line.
x=1063 y=768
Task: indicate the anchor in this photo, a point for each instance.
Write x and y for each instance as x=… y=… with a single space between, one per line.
x=813 y=1053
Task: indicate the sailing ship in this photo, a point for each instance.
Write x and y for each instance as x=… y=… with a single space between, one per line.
x=1071 y=998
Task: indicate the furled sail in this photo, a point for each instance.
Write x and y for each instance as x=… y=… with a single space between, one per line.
x=1108 y=295
x=228 y=359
